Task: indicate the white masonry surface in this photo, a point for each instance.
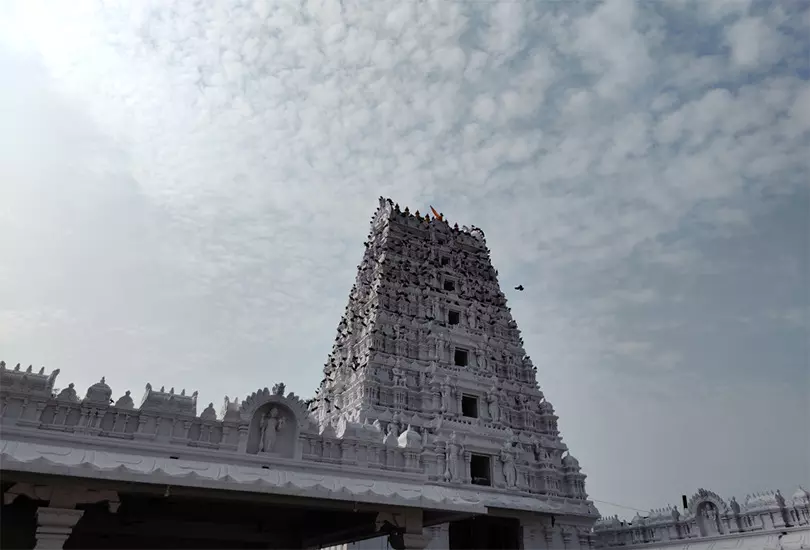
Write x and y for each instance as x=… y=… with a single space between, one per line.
x=428 y=400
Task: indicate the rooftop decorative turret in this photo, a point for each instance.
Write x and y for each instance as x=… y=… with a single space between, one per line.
x=163 y=400
x=27 y=381
x=99 y=393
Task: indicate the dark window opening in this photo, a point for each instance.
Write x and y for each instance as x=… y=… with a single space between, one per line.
x=449 y=284
x=480 y=470
x=469 y=406
x=460 y=357
x=444 y=260
x=453 y=317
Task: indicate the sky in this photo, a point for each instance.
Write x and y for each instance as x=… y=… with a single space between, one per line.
x=185 y=189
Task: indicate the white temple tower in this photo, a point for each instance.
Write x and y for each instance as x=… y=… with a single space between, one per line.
x=427 y=352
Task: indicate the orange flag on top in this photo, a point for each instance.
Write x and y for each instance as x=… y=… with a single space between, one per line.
x=436 y=214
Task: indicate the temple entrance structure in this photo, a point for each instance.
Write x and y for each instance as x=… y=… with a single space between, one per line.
x=429 y=430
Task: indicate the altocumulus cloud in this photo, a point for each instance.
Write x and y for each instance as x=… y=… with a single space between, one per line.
x=185 y=187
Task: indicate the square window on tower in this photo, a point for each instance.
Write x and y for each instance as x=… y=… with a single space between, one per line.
x=461 y=357
x=453 y=317
x=444 y=261
x=480 y=469
x=449 y=285
x=469 y=406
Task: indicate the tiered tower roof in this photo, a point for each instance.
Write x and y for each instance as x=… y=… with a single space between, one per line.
x=428 y=345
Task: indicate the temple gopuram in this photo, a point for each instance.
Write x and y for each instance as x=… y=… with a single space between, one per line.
x=429 y=430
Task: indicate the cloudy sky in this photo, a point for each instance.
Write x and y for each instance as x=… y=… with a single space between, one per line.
x=185 y=189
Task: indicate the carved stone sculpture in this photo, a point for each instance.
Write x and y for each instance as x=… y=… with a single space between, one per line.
x=509 y=467
x=735 y=506
x=494 y=410
x=270 y=425
x=453 y=454
x=447 y=397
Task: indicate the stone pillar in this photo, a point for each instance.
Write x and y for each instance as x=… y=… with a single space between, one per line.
x=415 y=541
x=529 y=536
x=55 y=522
x=54 y=526
x=548 y=536
x=567 y=536
x=439 y=536
x=243 y=437
x=414 y=536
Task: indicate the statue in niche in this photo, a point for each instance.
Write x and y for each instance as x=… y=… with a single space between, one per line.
x=481 y=359
x=454 y=450
x=471 y=317
x=494 y=410
x=270 y=425
x=509 y=467
x=710 y=525
x=540 y=454
x=447 y=398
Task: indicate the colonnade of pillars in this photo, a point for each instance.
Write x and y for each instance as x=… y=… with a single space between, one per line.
x=55 y=522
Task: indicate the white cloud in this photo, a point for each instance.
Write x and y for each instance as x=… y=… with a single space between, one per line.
x=611 y=48
x=752 y=42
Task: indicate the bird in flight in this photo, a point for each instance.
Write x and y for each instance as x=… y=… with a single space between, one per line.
x=519 y=287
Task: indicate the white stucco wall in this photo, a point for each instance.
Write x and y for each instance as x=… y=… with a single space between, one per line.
x=796 y=538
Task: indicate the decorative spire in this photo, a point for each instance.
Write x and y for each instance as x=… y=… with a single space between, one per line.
x=125 y=401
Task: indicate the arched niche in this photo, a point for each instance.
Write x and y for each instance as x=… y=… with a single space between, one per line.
x=275 y=423
x=708 y=509
x=273 y=431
